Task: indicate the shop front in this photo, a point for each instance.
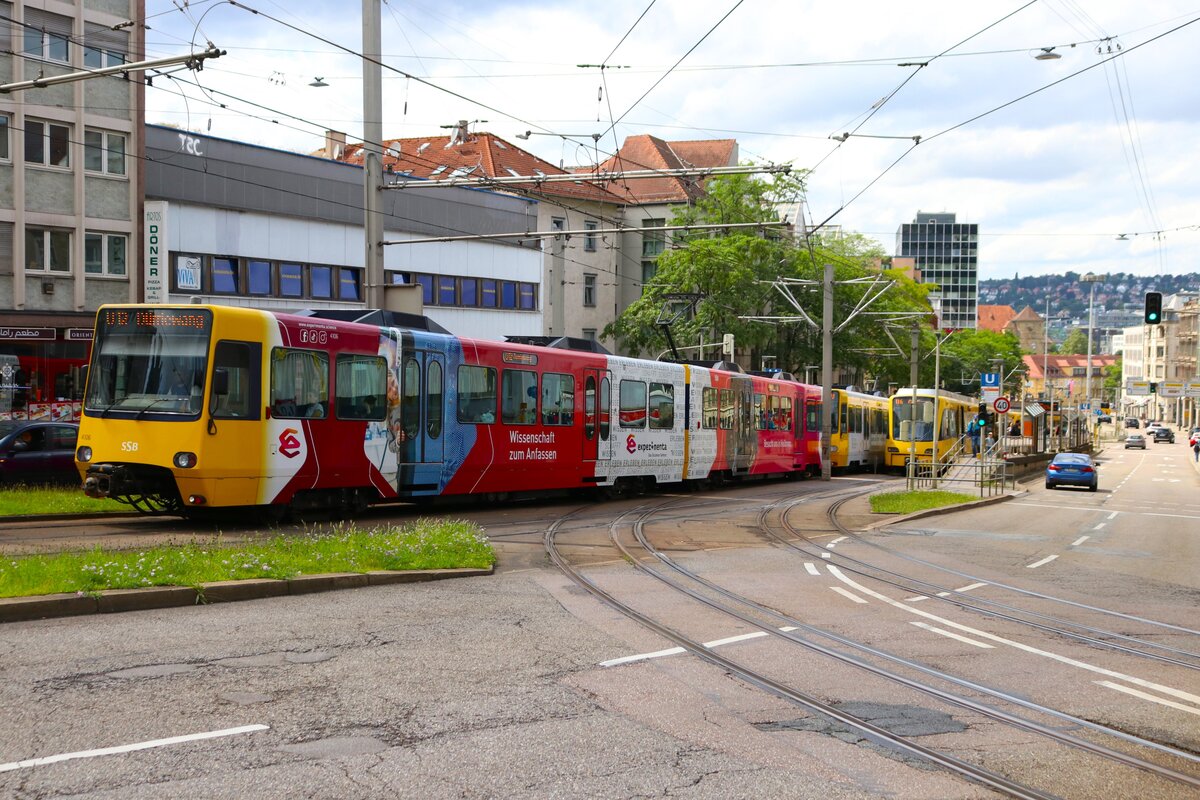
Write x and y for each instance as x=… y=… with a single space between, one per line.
x=42 y=365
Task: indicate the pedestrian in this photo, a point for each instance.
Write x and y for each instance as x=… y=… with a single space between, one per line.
x=973 y=432
x=1196 y=450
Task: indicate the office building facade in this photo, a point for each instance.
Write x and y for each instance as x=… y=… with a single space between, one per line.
x=945 y=252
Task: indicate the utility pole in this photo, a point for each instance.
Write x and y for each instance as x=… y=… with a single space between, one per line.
x=827 y=372
x=912 y=366
x=372 y=152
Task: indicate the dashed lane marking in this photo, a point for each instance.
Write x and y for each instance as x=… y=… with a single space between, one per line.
x=1158 y=687
x=812 y=568
x=1080 y=541
x=952 y=635
x=129 y=748
x=1146 y=696
x=845 y=593
x=674 y=651
x=1037 y=564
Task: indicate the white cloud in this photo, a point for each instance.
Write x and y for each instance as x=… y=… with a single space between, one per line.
x=1036 y=176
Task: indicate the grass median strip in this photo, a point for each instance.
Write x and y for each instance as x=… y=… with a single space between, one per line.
x=424 y=544
x=17 y=500
x=908 y=502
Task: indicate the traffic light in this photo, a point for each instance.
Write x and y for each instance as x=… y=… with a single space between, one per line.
x=983 y=413
x=1153 y=387
x=1153 y=308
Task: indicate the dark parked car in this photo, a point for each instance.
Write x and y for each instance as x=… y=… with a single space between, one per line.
x=1131 y=422
x=38 y=452
x=1104 y=418
x=1162 y=434
x=1072 y=469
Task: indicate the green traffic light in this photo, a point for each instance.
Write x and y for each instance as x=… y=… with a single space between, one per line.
x=1153 y=317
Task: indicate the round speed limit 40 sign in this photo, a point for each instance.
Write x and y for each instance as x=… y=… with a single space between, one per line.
x=1001 y=405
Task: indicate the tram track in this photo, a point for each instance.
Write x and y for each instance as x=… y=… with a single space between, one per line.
x=780 y=620
x=1049 y=624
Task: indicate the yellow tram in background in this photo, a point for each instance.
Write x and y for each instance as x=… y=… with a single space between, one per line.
x=921 y=423
x=859 y=428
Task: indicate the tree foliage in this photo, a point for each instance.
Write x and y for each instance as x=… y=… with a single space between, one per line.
x=1075 y=344
x=968 y=354
x=732 y=272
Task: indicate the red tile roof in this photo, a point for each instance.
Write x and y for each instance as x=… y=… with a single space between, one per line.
x=1060 y=366
x=481 y=154
x=1027 y=313
x=995 y=318
x=649 y=152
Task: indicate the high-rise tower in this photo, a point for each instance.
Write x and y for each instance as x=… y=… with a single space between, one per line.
x=945 y=252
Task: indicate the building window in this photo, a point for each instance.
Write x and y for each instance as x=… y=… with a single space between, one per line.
x=104 y=253
x=225 y=277
x=46 y=36
x=653 y=242
x=487 y=294
x=589 y=239
x=447 y=296
x=649 y=269
x=508 y=294
x=291 y=280
x=589 y=291
x=4 y=151
x=104 y=152
x=47 y=143
x=258 y=277
x=349 y=284
x=468 y=291
x=426 y=284
x=589 y=334
x=528 y=296
x=103 y=47
x=47 y=250
x=321 y=281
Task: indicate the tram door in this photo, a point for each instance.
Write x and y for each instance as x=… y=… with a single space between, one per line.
x=744 y=437
x=597 y=433
x=422 y=420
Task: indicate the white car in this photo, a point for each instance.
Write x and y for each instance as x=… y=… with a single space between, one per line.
x=1135 y=440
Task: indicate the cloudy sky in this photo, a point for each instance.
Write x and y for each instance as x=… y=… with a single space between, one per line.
x=1054 y=159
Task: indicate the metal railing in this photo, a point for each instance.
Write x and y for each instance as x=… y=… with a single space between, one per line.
x=986 y=475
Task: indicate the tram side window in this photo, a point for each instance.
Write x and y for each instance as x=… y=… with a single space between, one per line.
x=784 y=422
x=762 y=415
x=605 y=408
x=299 y=383
x=360 y=387
x=711 y=414
x=812 y=418
x=662 y=406
x=589 y=407
x=880 y=421
x=856 y=419
x=518 y=397
x=476 y=394
x=558 y=399
x=633 y=404
x=433 y=399
x=726 y=409
x=239 y=361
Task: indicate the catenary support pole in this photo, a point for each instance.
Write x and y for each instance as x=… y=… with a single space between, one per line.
x=826 y=372
x=372 y=145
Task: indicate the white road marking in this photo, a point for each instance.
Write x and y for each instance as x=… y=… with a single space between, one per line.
x=1099 y=526
x=943 y=594
x=825 y=555
x=674 y=651
x=1092 y=508
x=970 y=586
x=952 y=635
x=812 y=568
x=1113 y=515
x=1080 y=541
x=129 y=748
x=1037 y=564
x=1150 y=697
x=916 y=599
x=845 y=593
x=1182 y=695
x=835 y=541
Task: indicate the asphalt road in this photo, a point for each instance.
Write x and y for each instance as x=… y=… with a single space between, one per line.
x=494 y=687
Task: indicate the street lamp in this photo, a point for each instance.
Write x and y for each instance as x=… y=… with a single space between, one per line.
x=1092 y=279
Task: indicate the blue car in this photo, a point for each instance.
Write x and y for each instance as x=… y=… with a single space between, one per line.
x=1072 y=469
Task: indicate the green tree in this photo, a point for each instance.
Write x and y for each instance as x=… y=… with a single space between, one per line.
x=1075 y=344
x=969 y=353
x=732 y=273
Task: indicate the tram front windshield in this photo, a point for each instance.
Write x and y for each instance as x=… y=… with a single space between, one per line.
x=149 y=361
x=912 y=419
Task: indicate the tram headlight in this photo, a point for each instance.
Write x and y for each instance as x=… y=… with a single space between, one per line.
x=185 y=460
x=84 y=453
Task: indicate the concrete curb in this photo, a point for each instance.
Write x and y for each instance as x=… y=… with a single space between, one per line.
x=20 y=609
x=933 y=512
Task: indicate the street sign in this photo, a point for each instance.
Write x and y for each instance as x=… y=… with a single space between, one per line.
x=990 y=379
x=1001 y=405
x=1133 y=387
x=1191 y=388
x=1085 y=406
x=1171 y=388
